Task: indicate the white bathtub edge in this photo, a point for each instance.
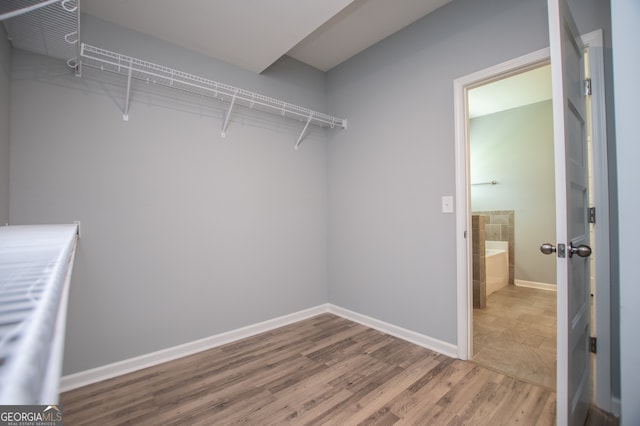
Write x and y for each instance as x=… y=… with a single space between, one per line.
x=534 y=284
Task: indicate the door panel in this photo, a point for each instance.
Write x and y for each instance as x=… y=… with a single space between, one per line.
x=570 y=141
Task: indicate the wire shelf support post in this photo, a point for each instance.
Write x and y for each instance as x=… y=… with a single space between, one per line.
x=125 y=114
x=228 y=115
x=304 y=130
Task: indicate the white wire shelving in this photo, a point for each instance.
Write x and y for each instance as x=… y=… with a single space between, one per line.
x=132 y=68
x=50 y=27
x=35 y=272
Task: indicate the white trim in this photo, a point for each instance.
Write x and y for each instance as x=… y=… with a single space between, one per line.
x=594 y=42
x=601 y=328
x=463 y=220
x=537 y=285
x=87 y=377
x=98 y=374
x=399 y=332
x=616 y=406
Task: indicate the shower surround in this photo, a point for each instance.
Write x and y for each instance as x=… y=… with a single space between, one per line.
x=496 y=225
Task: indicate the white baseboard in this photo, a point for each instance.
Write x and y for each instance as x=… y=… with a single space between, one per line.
x=402 y=333
x=533 y=284
x=94 y=375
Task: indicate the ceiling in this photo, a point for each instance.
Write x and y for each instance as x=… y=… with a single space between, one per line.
x=521 y=89
x=253 y=34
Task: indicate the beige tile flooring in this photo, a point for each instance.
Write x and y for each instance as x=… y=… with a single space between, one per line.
x=516 y=334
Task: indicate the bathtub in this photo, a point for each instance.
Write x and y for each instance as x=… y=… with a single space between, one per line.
x=496 y=265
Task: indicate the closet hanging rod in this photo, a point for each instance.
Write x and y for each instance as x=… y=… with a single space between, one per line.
x=106 y=60
x=27 y=9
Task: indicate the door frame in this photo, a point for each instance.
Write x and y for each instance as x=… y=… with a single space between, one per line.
x=602 y=308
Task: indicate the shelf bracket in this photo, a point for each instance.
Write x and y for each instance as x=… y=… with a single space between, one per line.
x=125 y=115
x=226 y=118
x=306 y=126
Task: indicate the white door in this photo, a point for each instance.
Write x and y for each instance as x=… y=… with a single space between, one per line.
x=572 y=227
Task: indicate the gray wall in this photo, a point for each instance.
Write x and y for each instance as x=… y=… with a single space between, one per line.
x=5 y=89
x=391 y=250
x=515 y=148
x=184 y=234
x=625 y=15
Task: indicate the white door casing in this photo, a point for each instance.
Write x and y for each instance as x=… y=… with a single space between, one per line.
x=594 y=41
x=572 y=226
x=463 y=216
x=601 y=327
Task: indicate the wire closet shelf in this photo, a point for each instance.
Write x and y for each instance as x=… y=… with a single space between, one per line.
x=151 y=73
x=50 y=28
x=35 y=272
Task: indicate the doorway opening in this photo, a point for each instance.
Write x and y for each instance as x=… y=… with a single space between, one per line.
x=512 y=194
x=601 y=325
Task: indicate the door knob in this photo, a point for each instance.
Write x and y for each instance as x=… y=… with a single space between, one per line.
x=582 y=250
x=547 y=248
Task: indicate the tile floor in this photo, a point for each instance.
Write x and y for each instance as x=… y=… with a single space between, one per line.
x=516 y=334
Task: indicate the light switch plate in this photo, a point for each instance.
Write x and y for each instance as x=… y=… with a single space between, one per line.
x=447 y=204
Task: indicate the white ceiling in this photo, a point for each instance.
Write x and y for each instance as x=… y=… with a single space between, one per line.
x=253 y=34
x=512 y=92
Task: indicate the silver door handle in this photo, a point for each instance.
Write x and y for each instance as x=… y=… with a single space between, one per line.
x=547 y=248
x=582 y=250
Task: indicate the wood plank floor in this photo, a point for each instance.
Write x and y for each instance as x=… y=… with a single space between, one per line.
x=322 y=371
x=516 y=334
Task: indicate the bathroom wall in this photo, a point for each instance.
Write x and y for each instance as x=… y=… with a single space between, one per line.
x=515 y=148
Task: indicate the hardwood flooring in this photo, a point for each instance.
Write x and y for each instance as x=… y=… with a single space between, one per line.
x=516 y=334
x=322 y=371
